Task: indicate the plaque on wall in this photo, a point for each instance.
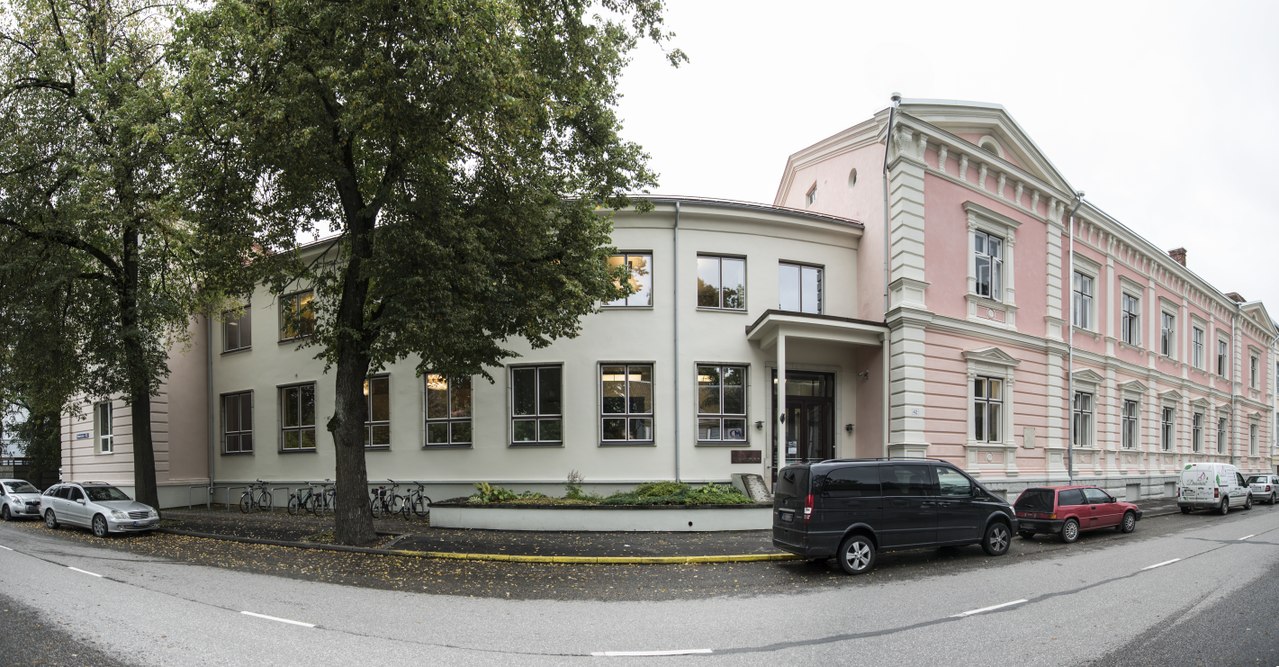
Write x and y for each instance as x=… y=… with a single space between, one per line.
x=747 y=456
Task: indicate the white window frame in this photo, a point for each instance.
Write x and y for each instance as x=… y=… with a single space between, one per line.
x=626 y=301
x=1130 y=321
x=992 y=363
x=241 y=324
x=1168 y=333
x=1083 y=302
x=1084 y=416
x=1223 y=356
x=992 y=223
x=104 y=427
x=1254 y=433
x=1167 y=427
x=1198 y=334
x=1130 y=425
x=724 y=418
x=1223 y=431
x=1254 y=368
x=1197 y=431
x=720 y=288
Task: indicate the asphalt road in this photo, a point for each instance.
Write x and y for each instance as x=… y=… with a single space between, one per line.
x=1108 y=599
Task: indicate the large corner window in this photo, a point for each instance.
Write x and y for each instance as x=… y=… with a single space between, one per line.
x=237 y=332
x=297 y=315
x=988 y=405
x=1128 y=430
x=297 y=418
x=626 y=403
x=721 y=403
x=1130 y=319
x=721 y=282
x=103 y=427
x=237 y=423
x=1083 y=415
x=377 y=396
x=639 y=267
x=448 y=411
x=536 y=405
x=799 y=288
x=988 y=265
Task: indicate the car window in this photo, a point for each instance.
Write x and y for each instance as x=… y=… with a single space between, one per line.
x=1239 y=479
x=1256 y=479
x=21 y=487
x=1071 y=497
x=906 y=480
x=100 y=494
x=1096 y=496
x=853 y=482
x=1035 y=500
x=64 y=492
x=951 y=482
x=74 y=494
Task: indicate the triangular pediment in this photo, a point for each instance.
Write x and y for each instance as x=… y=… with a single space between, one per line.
x=1133 y=386
x=1200 y=402
x=1088 y=376
x=991 y=355
x=971 y=122
x=1256 y=311
x=1170 y=395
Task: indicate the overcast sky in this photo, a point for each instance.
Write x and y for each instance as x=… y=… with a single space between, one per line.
x=1163 y=113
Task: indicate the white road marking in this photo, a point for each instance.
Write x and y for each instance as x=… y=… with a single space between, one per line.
x=280 y=620
x=641 y=654
x=1247 y=536
x=92 y=574
x=986 y=609
x=5 y=548
x=1167 y=562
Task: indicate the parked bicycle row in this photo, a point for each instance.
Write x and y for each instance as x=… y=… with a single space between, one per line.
x=321 y=498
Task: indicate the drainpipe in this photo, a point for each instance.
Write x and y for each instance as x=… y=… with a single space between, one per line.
x=211 y=399
x=675 y=259
x=888 y=336
x=1070 y=343
x=1234 y=372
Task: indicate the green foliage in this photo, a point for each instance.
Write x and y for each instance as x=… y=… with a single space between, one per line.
x=651 y=493
x=487 y=493
x=573 y=487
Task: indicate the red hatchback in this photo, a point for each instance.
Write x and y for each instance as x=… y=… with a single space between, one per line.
x=1067 y=510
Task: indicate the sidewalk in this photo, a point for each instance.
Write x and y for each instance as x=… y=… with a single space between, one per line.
x=416 y=538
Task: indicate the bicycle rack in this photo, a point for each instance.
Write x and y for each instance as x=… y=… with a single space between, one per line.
x=208 y=495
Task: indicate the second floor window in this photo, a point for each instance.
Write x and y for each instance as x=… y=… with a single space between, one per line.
x=377 y=428
x=237 y=333
x=639 y=266
x=448 y=411
x=799 y=288
x=1130 y=320
x=988 y=258
x=988 y=404
x=1128 y=432
x=1254 y=371
x=1081 y=305
x=237 y=423
x=297 y=418
x=1222 y=349
x=1083 y=419
x=297 y=315
x=1197 y=347
x=721 y=282
x=1167 y=327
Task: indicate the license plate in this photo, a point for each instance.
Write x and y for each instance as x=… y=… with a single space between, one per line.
x=1029 y=525
x=787 y=517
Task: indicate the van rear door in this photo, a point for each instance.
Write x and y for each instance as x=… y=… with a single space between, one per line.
x=790 y=493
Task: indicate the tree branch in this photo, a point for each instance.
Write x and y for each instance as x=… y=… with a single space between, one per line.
x=68 y=241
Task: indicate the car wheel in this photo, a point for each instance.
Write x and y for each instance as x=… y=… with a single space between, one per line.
x=4 y=512
x=1185 y=510
x=1026 y=534
x=856 y=554
x=1070 y=531
x=1225 y=506
x=50 y=520
x=1273 y=498
x=998 y=538
x=1129 y=523
x=100 y=526
x=1247 y=502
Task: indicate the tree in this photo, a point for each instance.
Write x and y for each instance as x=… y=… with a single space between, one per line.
x=88 y=183
x=459 y=149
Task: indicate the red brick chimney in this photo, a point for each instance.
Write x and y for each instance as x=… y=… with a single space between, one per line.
x=1178 y=254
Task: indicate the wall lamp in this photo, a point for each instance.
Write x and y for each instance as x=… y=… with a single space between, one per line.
x=848 y=428
x=759 y=425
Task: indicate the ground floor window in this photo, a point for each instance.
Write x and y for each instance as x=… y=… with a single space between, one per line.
x=721 y=403
x=377 y=395
x=1252 y=439
x=988 y=404
x=626 y=403
x=103 y=427
x=237 y=423
x=1221 y=435
x=448 y=411
x=1166 y=431
x=1129 y=427
x=1197 y=432
x=1083 y=419
x=297 y=418
x=536 y=405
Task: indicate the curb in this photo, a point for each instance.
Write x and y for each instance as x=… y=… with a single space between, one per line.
x=508 y=558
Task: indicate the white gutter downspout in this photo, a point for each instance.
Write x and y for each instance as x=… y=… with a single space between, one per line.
x=675 y=259
x=1070 y=342
x=888 y=335
x=211 y=399
x=1234 y=373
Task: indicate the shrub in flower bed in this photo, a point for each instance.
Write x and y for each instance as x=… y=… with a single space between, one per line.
x=652 y=493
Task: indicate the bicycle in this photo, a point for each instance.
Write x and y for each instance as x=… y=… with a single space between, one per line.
x=302 y=499
x=386 y=501
x=256 y=497
x=325 y=498
x=417 y=502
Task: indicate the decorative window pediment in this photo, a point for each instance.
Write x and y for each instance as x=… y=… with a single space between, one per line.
x=991 y=355
x=1200 y=402
x=1170 y=395
x=1134 y=386
x=1087 y=376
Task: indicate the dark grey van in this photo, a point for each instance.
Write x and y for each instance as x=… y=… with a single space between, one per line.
x=853 y=509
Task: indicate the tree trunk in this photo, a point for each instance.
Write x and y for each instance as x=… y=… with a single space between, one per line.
x=139 y=397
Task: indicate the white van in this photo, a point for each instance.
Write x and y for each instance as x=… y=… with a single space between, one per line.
x=1215 y=486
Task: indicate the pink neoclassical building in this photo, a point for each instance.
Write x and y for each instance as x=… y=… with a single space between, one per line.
x=1000 y=323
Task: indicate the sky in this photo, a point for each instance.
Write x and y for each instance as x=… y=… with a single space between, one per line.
x=1164 y=113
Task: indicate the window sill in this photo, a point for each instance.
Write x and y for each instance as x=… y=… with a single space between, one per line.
x=724 y=443
x=708 y=309
x=377 y=448
x=459 y=446
x=1084 y=331
x=248 y=453
x=628 y=443
x=1131 y=346
x=238 y=349
x=311 y=450
x=536 y=445
x=608 y=308
x=286 y=341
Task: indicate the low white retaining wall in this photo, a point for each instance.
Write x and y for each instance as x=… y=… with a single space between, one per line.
x=599 y=519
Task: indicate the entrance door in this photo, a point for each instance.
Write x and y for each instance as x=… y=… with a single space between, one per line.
x=810 y=416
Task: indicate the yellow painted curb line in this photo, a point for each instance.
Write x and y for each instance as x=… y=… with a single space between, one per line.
x=596 y=560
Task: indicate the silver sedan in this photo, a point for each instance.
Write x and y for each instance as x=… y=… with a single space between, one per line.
x=1265 y=488
x=98 y=506
x=18 y=499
